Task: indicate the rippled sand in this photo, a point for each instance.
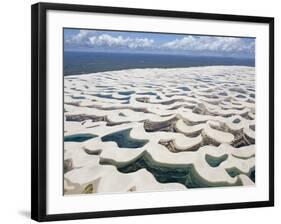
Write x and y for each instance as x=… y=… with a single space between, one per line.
x=159 y=129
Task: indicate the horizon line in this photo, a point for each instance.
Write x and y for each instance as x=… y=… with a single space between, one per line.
x=155 y=53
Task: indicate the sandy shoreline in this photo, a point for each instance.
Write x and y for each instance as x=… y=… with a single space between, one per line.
x=159 y=129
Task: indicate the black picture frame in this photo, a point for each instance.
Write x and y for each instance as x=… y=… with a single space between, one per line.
x=39 y=108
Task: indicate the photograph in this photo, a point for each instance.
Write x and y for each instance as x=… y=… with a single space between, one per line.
x=140 y=111
x=154 y=112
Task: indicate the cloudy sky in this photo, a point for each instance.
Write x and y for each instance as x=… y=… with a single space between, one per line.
x=92 y=40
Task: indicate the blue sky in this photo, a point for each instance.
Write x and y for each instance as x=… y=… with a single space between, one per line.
x=115 y=41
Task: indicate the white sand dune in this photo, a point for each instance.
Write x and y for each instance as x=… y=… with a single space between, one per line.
x=159 y=129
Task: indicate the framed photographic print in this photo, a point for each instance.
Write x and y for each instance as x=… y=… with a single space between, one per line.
x=138 y=111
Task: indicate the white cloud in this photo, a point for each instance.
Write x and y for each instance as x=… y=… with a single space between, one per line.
x=211 y=44
x=90 y=38
x=81 y=38
x=188 y=44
